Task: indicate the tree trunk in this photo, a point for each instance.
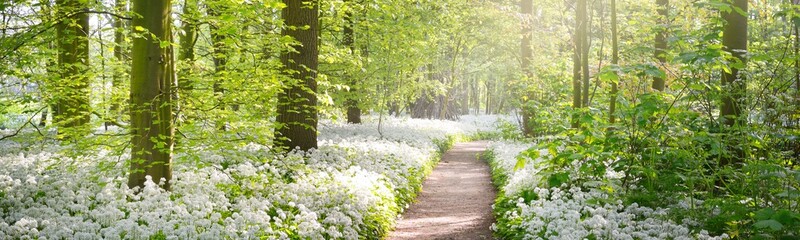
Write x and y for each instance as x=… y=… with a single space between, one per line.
x=614 y=61
x=734 y=39
x=297 y=104
x=661 y=41
x=187 y=42
x=476 y=96
x=796 y=63
x=577 y=97
x=50 y=64
x=584 y=57
x=152 y=91
x=488 y=98
x=526 y=8
x=120 y=6
x=43 y=117
x=72 y=112
x=576 y=81
x=220 y=59
x=465 y=97
x=353 y=110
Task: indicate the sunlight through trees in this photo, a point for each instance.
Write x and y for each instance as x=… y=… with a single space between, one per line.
x=291 y=109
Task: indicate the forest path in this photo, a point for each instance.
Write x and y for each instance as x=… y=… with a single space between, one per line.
x=456 y=199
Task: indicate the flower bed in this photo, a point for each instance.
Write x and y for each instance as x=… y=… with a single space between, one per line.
x=526 y=210
x=352 y=187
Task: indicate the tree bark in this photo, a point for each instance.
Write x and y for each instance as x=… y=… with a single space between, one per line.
x=187 y=42
x=119 y=55
x=220 y=59
x=152 y=91
x=796 y=28
x=297 y=104
x=577 y=97
x=465 y=97
x=72 y=113
x=526 y=8
x=50 y=65
x=476 y=96
x=614 y=61
x=488 y=98
x=353 y=110
x=734 y=39
x=661 y=41
x=584 y=33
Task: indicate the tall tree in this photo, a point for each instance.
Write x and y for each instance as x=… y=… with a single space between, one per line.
x=796 y=28
x=526 y=8
x=661 y=40
x=119 y=55
x=50 y=64
x=353 y=110
x=614 y=61
x=577 y=63
x=72 y=89
x=584 y=39
x=297 y=103
x=152 y=91
x=734 y=40
x=188 y=36
x=221 y=51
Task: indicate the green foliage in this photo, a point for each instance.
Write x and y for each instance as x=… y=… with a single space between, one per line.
x=504 y=130
x=670 y=144
x=504 y=203
x=445 y=143
x=406 y=54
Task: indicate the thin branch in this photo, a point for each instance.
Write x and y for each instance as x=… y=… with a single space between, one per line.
x=23 y=125
x=52 y=25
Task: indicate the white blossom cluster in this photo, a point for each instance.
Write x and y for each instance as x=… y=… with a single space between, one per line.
x=353 y=186
x=576 y=212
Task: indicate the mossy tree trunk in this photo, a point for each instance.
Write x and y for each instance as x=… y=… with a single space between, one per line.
x=72 y=113
x=152 y=91
x=297 y=103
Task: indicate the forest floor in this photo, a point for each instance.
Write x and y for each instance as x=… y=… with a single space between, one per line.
x=455 y=201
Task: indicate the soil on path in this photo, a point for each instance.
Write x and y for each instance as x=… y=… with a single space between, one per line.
x=456 y=199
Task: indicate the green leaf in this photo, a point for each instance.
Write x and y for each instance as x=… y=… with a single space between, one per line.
x=532 y=153
x=654 y=71
x=784 y=217
x=529 y=195
x=764 y=214
x=520 y=163
x=770 y=224
x=557 y=179
x=609 y=74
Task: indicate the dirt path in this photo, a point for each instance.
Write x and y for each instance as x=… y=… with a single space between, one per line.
x=456 y=199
